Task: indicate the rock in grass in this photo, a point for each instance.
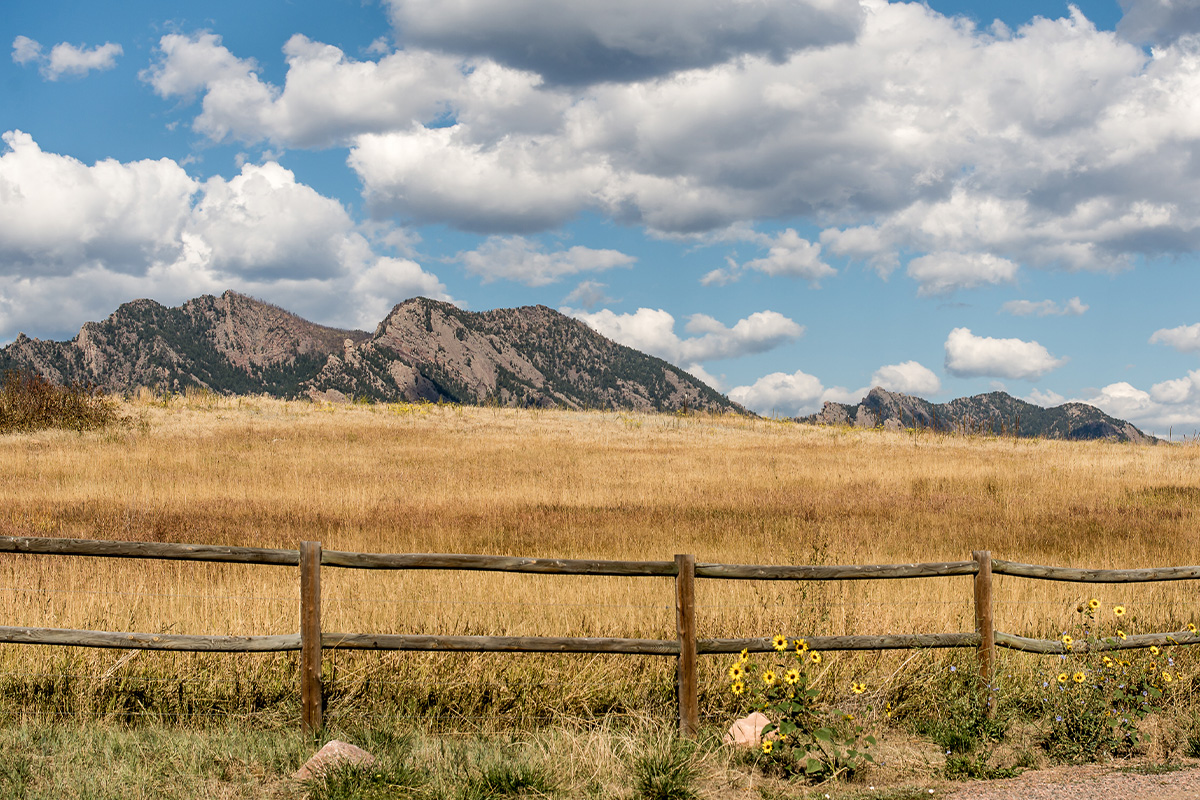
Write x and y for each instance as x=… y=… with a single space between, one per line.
x=333 y=754
x=747 y=731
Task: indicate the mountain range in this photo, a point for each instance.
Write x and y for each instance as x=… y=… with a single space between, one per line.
x=434 y=351
x=996 y=413
x=422 y=350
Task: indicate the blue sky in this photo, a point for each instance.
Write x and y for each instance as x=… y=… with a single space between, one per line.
x=793 y=199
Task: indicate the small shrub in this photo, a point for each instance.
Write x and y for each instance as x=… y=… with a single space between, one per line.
x=353 y=782
x=810 y=738
x=1093 y=701
x=963 y=767
x=668 y=774
x=506 y=779
x=29 y=402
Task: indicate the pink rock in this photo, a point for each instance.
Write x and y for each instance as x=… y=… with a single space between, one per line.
x=333 y=754
x=747 y=731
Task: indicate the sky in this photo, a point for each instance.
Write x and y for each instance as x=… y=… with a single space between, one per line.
x=794 y=200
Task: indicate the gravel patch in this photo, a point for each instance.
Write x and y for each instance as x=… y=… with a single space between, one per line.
x=1087 y=782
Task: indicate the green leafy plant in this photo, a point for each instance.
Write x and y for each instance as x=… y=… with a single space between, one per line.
x=806 y=737
x=1093 y=701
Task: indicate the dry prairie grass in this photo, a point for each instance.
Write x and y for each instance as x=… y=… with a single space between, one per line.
x=411 y=478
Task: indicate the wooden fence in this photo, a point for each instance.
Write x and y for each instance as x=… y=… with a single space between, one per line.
x=686 y=647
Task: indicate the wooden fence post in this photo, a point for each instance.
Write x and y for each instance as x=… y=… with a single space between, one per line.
x=685 y=626
x=984 y=627
x=310 y=635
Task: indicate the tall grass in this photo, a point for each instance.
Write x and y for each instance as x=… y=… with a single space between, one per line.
x=419 y=478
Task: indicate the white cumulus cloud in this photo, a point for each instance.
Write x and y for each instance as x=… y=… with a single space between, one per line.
x=1185 y=338
x=25 y=50
x=968 y=355
x=1171 y=406
x=790 y=394
x=516 y=258
x=77 y=240
x=942 y=273
x=908 y=377
x=1045 y=308
x=588 y=294
x=653 y=331
x=65 y=58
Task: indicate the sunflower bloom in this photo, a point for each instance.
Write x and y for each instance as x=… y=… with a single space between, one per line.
x=767 y=746
x=792 y=676
x=1093 y=604
x=769 y=677
x=1118 y=611
x=1078 y=677
x=1062 y=677
x=738 y=689
x=814 y=657
x=1167 y=677
x=858 y=687
x=736 y=672
x=1066 y=640
x=1154 y=650
x=1191 y=627
x=1121 y=635
x=744 y=655
x=779 y=642
x=801 y=645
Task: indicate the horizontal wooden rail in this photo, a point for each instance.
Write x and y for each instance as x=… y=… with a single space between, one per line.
x=1136 y=642
x=563 y=644
x=1094 y=575
x=904 y=641
x=499 y=644
x=835 y=573
x=151 y=641
x=544 y=566
x=162 y=550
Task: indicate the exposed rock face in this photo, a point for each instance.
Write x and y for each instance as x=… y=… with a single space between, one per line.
x=230 y=344
x=423 y=350
x=528 y=356
x=995 y=413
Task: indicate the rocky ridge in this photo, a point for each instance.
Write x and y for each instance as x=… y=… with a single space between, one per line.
x=423 y=350
x=993 y=413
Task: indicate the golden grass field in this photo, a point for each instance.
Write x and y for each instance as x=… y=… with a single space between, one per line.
x=449 y=479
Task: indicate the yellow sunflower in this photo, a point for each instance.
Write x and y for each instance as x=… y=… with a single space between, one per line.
x=769 y=677
x=1066 y=640
x=738 y=689
x=1121 y=635
x=801 y=645
x=1078 y=677
x=1062 y=677
x=766 y=746
x=1167 y=677
x=792 y=677
x=1093 y=604
x=814 y=657
x=780 y=642
x=736 y=671
x=1118 y=611
x=1191 y=626
x=745 y=654
x=858 y=687
x=1154 y=650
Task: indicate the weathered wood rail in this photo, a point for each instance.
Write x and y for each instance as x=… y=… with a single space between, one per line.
x=684 y=569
